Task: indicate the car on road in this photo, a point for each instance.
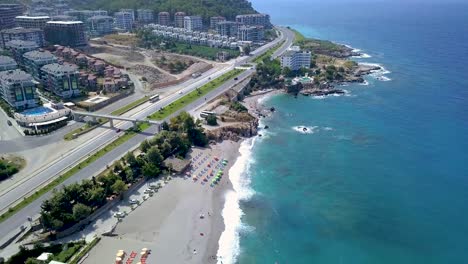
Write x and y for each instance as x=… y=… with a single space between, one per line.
x=9 y=123
x=134 y=201
x=118 y=130
x=148 y=191
x=181 y=92
x=119 y=215
x=235 y=79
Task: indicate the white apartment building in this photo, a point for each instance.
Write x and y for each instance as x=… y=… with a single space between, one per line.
x=295 y=59
x=193 y=23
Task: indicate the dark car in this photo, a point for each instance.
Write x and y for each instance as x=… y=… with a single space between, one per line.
x=118 y=130
x=9 y=122
x=235 y=79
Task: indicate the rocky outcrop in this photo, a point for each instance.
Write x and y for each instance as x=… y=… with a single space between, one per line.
x=234 y=132
x=321 y=92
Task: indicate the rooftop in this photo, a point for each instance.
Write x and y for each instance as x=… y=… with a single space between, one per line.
x=15 y=76
x=65 y=22
x=39 y=55
x=21 y=44
x=33 y=17
x=20 y=30
x=4 y=60
x=99 y=17
x=60 y=69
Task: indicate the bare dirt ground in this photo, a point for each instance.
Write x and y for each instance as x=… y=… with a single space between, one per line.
x=153 y=66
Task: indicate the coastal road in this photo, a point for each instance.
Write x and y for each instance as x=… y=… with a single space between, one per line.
x=61 y=165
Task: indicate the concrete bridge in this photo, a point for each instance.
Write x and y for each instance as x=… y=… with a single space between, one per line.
x=77 y=115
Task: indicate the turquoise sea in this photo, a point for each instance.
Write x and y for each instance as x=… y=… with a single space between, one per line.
x=381 y=176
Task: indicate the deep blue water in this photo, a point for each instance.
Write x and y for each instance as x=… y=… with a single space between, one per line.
x=383 y=177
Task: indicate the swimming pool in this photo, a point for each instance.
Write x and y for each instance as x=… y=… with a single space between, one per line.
x=37 y=111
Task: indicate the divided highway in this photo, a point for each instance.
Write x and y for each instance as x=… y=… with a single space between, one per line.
x=13 y=195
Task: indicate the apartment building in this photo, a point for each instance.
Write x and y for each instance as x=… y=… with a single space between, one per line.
x=34 y=60
x=61 y=79
x=193 y=23
x=27 y=34
x=83 y=15
x=254 y=20
x=32 y=21
x=145 y=16
x=19 y=47
x=100 y=25
x=124 y=20
x=251 y=33
x=18 y=89
x=215 y=20
x=66 y=33
x=295 y=59
x=7 y=63
x=8 y=12
x=164 y=18
x=179 y=19
x=227 y=28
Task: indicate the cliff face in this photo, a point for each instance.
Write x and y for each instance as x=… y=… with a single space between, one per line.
x=234 y=131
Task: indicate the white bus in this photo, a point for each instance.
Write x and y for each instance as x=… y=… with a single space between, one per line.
x=205 y=114
x=154 y=98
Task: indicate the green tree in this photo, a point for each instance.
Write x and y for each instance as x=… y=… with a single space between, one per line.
x=131 y=160
x=119 y=187
x=145 y=145
x=81 y=211
x=154 y=156
x=211 y=120
x=150 y=170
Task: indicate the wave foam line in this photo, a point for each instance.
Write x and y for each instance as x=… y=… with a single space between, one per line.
x=229 y=242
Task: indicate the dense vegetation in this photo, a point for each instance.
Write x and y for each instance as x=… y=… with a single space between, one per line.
x=204 y=8
x=150 y=41
x=79 y=200
x=7 y=170
x=61 y=253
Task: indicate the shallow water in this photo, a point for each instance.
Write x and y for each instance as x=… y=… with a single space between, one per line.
x=380 y=177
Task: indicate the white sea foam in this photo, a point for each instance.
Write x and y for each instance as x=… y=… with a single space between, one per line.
x=305 y=129
x=365 y=83
x=379 y=74
x=229 y=247
x=328 y=128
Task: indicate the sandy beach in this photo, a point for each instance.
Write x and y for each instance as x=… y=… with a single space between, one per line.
x=181 y=223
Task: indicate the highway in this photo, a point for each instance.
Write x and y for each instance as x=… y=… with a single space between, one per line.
x=72 y=158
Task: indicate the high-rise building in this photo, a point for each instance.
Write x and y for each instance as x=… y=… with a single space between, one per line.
x=295 y=59
x=32 y=21
x=251 y=33
x=66 y=33
x=124 y=20
x=8 y=12
x=215 y=20
x=19 y=47
x=254 y=20
x=100 y=25
x=164 y=18
x=145 y=16
x=18 y=89
x=227 y=28
x=179 y=19
x=131 y=11
x=28 y=34
x=193 y=23
x=34 y=60
x=61 y=79
x=7 y=63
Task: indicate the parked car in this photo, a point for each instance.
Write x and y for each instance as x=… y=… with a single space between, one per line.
x=119 y=215
x=9 y=122
x=134 y=201
x=148 y=191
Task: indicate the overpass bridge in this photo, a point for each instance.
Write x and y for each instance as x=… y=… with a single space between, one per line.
x=78 y=115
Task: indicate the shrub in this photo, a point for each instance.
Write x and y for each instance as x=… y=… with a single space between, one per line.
x=211 y=120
